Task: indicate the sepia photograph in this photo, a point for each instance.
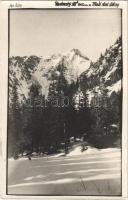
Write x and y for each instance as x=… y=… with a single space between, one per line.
x=65 y=73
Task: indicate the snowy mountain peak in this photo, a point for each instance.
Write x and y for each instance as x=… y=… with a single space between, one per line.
x=71 y=64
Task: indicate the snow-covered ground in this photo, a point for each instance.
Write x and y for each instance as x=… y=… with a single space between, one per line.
x=93 y=172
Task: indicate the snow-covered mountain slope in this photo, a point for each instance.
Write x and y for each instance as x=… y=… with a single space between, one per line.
x=105 y=75
x=20 y=77
x=71 y=65
x=33 y=70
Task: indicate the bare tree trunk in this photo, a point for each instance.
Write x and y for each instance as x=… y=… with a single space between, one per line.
x=66 y=143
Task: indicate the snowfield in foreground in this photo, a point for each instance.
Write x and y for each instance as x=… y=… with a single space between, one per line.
x=93 y=172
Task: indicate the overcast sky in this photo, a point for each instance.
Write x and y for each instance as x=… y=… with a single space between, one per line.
x=45 y=32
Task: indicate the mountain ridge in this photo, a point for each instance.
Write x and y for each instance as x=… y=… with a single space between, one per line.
x=105 y=73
